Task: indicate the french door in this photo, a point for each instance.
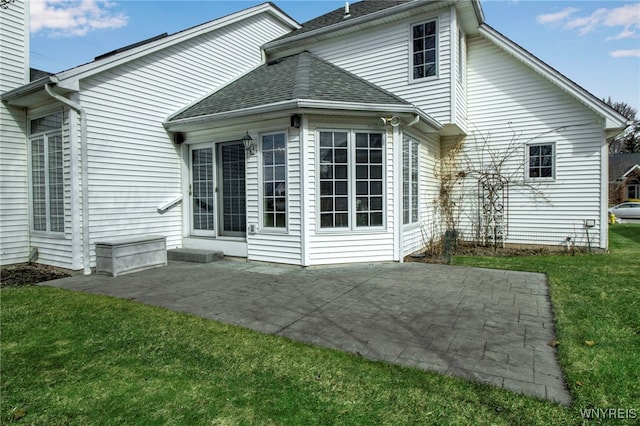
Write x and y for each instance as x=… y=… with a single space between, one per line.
x=217 y=190
x=231 y=196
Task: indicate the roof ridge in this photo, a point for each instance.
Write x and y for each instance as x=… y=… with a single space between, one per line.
x=301 y=77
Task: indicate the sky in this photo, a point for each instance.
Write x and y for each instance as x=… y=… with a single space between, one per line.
x=596 y=44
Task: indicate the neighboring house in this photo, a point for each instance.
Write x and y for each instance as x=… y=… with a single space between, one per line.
x=304 y=144
x=624 y=177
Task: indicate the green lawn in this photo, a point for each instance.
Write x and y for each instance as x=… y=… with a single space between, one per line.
x=73 y=358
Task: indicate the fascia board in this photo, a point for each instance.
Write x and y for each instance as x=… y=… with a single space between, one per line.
x=613 y=120
x=477 y=8
x=91 y=68
x=261 y=109
x=306 y=104
x=25 y=90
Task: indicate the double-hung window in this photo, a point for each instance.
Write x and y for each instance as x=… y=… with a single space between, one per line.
x=274 y=181
x=47 y=178
x=424 y=49
x=540 y=161
x=351 y=180
x=410 y=161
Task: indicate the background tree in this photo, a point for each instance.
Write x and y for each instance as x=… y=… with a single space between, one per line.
x=623 y=108
x=629 y=140
x=4 y=4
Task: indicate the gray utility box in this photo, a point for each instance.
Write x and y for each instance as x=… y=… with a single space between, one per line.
x=126 y=255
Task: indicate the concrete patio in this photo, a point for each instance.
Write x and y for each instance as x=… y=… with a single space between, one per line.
x=484 y=325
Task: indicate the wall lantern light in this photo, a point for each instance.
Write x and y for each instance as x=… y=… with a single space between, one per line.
x=249 y=145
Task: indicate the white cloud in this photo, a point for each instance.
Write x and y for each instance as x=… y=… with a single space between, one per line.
x=74 y=18
x=551 y=18
x=626 y=53
x=626 y=17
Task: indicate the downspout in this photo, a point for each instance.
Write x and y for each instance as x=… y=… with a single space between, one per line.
x=86 y=260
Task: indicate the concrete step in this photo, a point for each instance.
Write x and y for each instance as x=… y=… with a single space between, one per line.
x=194 y=255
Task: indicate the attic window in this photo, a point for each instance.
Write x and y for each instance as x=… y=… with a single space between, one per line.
x=424 y=49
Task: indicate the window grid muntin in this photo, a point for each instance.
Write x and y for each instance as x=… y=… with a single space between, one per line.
x=38 y=184
x=424 y=49
x=55 y=183
x=47 y=173
x=203 y=192
x=274 y=181
x=351 y=179
x=540 y=161
x=369 y=180
x=334 y=179
x=410 y=185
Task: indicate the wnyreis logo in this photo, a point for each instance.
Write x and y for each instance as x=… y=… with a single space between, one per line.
x=609 y=413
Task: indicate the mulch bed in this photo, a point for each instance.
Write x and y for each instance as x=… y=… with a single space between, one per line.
x=31 y=274
x=477 y=250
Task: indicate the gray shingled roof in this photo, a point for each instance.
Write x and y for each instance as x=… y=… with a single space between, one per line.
x=619 y=164
x=337 y=16
x=301 y=76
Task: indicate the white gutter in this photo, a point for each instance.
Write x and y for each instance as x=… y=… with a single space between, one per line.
x=85 y=175
x=307 y=103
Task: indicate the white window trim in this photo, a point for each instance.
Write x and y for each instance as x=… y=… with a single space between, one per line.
x=411 y=223
x=45 y=135
x=261 y=228
x=351 y=171
x=554 y=160
x=436 y=76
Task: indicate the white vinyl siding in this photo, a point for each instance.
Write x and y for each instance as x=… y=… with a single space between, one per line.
x=274 y=244
x=134 y=167
x=511 y=104
x=389 y=48
x=14 y=72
